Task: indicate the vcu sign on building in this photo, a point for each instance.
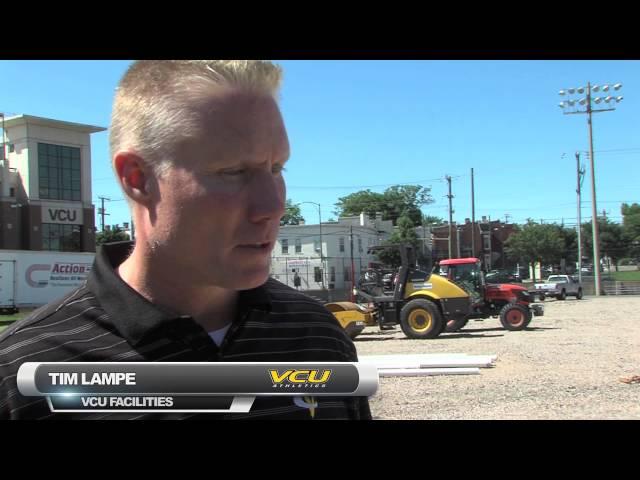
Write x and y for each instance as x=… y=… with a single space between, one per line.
x=45 y=185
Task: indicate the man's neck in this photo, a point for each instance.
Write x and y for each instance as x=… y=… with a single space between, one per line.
x=212 y=307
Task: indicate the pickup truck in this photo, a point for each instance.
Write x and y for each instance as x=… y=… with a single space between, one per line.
x=559 y=286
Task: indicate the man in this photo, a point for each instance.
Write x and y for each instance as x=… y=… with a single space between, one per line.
x=199 y=149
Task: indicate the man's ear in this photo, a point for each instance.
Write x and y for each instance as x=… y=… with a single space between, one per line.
x=134 y=176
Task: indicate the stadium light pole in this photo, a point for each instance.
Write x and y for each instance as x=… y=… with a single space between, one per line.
x=570 y=107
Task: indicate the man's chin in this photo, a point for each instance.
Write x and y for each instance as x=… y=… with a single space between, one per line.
x=250 y=279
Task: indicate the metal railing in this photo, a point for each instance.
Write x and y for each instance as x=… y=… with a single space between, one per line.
x=621 y=288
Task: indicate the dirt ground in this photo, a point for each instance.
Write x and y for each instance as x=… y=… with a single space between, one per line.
x=569 y=364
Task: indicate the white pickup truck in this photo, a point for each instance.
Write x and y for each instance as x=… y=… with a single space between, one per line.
x=559 y=286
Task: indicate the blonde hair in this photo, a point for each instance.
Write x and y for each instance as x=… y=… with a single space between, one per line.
x=150 y=111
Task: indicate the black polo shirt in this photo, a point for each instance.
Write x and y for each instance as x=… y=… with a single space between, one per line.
x=105 y=320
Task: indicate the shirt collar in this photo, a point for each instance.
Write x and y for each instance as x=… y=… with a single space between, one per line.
x=134 y=316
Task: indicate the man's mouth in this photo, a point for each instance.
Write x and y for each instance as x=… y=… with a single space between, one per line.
x=259 y=246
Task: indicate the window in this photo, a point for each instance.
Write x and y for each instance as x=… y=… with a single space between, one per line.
x=341 y=244
x=285 y=245
x=317 y=274
x=332 y=273
x=486 y=241
x=61 y=238
x=359 y=244
x=298 y=243
x=59 y=172
x=316 y=245
x=12 y=148
x=347 y=274
x=12 y=192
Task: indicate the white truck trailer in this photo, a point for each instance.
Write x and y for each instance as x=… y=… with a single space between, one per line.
x=34 y=278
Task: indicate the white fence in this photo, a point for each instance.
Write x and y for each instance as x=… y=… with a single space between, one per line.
x=621 y=288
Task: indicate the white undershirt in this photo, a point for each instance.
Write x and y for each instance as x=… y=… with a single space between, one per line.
x=218 y=335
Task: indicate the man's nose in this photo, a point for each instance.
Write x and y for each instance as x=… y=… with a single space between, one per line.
x=266 y=197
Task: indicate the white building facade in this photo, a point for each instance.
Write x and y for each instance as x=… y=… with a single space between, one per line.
x=45 y=185
x=343 y=248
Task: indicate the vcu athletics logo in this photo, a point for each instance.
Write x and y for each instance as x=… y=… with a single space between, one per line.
x=299 y=378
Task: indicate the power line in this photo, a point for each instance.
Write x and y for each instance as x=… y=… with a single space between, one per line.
x=348 y=187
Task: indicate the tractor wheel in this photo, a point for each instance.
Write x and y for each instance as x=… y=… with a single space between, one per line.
x=579 y=294
x=515 y=317
x=562 y=296
x=455 y=325
x=421 y=318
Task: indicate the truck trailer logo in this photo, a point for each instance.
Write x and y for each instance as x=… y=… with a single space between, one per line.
x=59 y=271
x=299 y=378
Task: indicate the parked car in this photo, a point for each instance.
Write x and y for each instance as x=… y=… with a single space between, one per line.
x=559 y=286
x=501 y=276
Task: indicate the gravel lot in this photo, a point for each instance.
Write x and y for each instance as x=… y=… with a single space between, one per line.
x=566 y=365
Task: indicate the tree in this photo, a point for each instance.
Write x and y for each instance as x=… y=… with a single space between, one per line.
x=406 y=200
x=631 y=229
x=292 y=215
x=395 y=202
x=432 y=220
x=536 y=242
x=404 y=234
x=114 y=234
x=613 y=243
x=363 y=201
x=570 y=239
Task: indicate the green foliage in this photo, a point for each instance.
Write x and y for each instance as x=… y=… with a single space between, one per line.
x=396 y=201
x=115 y=234
x=613 y=242
x=292 y=215
x=631 y=228
x=433 y=220
x=534 y=242
x=404 y=234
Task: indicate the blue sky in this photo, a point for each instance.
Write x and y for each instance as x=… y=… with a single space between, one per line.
x=371 y=124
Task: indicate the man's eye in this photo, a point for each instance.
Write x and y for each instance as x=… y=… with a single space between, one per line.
x=233 y=173
x=278 y=168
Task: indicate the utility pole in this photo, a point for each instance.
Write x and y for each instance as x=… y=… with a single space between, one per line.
x=473 y=219
x=4 y=143
x=589 y=110
x=353 y=273
x=580 y=173
x=594 y=211
x=102 y=212
x=322 y=267
x=448 y=178
x=424 y=238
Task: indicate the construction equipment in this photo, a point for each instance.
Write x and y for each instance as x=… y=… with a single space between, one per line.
x=352 y=317
x=511 y=302
x=420 y=302
x=425 y=304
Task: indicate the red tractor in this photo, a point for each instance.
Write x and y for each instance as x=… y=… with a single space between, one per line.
x=512 y=303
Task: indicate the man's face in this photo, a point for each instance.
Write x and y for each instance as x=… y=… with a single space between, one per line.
x=219 y=208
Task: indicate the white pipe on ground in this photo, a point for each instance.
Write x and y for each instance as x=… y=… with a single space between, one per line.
x=410 y=363
x=427 y=361
x=423 y=372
